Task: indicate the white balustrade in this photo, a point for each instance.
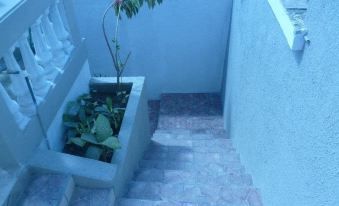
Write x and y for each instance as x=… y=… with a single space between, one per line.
x=36 y=73
x=53 y=45
x=60 y=28
x=14 y=108
x=43 y=52
x=59 y=54
x=18 y=85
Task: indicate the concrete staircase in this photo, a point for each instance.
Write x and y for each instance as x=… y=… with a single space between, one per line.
x=190 y=161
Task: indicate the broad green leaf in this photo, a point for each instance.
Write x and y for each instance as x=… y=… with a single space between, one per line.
x=112 y=143
x=103 y=128
x=89 y=138
x=78 y=141
x=94 y=152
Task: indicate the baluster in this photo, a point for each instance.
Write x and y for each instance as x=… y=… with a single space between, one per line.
x=18 y=85
x=56 y=46
x=43 y=53
x=14 y=108
x=36 y=73
x=60 y=28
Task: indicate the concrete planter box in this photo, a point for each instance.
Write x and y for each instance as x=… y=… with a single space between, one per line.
x=134 y=136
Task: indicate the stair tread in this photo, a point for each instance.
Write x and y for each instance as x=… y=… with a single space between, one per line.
x=195 y=193
x=190 y=156
x=212 y=175
x=92 y=197
x=143 y=202
x=189 y=136
x=47 y=189
x=196 y=104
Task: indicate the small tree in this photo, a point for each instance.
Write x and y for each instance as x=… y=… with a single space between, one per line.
x=130 y=8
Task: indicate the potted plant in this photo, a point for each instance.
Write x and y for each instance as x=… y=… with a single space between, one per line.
x=93 y=120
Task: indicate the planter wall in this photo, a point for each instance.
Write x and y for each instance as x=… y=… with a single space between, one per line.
x=134 y=137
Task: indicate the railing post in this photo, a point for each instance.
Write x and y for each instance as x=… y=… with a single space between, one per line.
x=60 y=28
x=43 y=53
x=56 y=46
x=18 y=85
x=36 y=73
x=14 y=108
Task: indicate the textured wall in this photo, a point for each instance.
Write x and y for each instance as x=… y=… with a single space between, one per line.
x=282 y=108
x=179 y=46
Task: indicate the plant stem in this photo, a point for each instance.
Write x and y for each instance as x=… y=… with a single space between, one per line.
x=106 y=37
x=117 y=46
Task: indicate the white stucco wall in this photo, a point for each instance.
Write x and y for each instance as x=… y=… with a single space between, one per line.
x=282 y=108
x=179 y=46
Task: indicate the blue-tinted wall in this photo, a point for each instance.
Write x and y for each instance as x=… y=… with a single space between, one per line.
x=282 y=107
x=179 y=46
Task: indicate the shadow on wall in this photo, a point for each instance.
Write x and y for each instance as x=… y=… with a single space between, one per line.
x=298 y=55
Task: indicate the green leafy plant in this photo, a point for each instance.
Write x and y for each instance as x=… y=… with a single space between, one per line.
x=130 y=8
x=92 y=127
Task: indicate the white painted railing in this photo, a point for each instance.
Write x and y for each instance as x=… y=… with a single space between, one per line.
x=37 y=57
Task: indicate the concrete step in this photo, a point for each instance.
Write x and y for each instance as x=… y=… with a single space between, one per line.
x=212 y=175
x=166 y=144
x=13 y=183
x=188 y=135
x=47 y=190
x=189 y=166
x=190 y=122
x=92 y=197
x=217 y=132
x=195 y=104
x=196 y=157
x=201 y=194
x=140 y=202
x=162 y=136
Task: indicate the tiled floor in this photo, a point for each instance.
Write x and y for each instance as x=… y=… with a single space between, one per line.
x=191 y=168
x=190 y=161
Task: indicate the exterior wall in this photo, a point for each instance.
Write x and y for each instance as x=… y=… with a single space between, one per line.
x=179 y=46
x=281 y=107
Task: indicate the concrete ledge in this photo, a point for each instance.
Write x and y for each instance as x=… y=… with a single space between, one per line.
x=12 y=187
x=295 y=36
x=86 y=172
x=134 y=133
x=134 y=137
